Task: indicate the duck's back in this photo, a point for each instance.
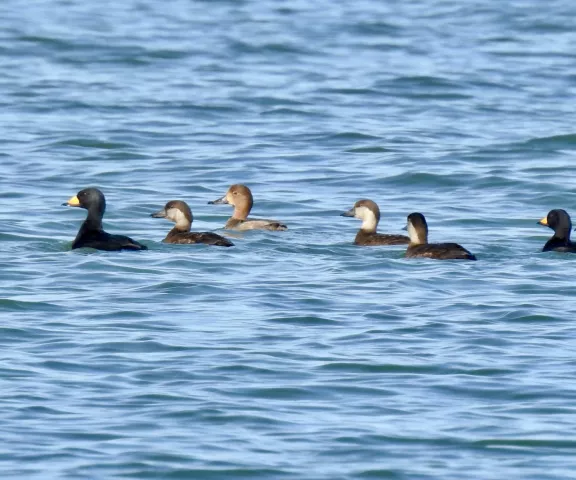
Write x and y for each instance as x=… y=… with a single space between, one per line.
x=208 y=238
x=254 y=224
x=440 y=251
x=101 y=240
x=374 y=239
x=558 y=245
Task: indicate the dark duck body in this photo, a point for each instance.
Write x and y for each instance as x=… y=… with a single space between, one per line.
x=179 y=212
x=91 y=233
x=369 y=213
x=559 y=221
x=419 y=246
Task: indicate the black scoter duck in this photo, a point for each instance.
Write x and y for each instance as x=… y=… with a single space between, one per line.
x=559 y=221
x=91 y=233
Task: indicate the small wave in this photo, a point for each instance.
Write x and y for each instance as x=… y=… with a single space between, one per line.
x=384 y=368
x=375 y=149
x=52 y=42
x=22 y=305
x=349 y=136
x=303 y=321
x=91 y=143
x=290 y=112
x=377 y=29
x=526 y=443
x=428 y=179
x=240 y=47
x=555 y=142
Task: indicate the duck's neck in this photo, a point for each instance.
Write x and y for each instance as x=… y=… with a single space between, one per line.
x=241 y=212
x=417 y=237
x=233 y=223
x=369 y=223
x=179 y=228
x=562 y=235
x=418 y=241
x=93 y=220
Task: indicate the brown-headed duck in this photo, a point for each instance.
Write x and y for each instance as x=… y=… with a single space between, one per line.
x=240 y=197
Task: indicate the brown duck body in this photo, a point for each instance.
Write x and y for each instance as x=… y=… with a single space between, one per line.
x=439 y=251
x=372 y=239
x=209 y=238
x=420 y=248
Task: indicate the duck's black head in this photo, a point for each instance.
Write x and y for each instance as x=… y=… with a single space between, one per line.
x=559 y=221
x=91 y=199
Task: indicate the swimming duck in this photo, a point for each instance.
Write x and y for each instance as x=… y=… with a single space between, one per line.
x=179 y=212
x=419 y=246
x=91 y=234
x=240 y=197
x=559 y=221
x=369 y=213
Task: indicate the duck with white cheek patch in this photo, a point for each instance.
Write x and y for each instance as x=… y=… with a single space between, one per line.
x=240 y=197
x=179 y=212
x=419 y=246
x=369 y=213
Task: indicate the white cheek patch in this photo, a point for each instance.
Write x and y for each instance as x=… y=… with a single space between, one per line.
x=367 y=216
x=177 y=216
x=361 y=212
x=413 y=234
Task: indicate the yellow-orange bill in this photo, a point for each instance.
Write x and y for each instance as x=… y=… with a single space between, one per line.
x=73 y=202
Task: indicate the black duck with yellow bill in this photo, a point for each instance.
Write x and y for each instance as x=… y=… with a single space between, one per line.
x=559 y=221
x=91 y=233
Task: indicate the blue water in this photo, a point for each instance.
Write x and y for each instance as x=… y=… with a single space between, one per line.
x=294 y=355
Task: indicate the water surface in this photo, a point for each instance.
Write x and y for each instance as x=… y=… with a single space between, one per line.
x=294 y=354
